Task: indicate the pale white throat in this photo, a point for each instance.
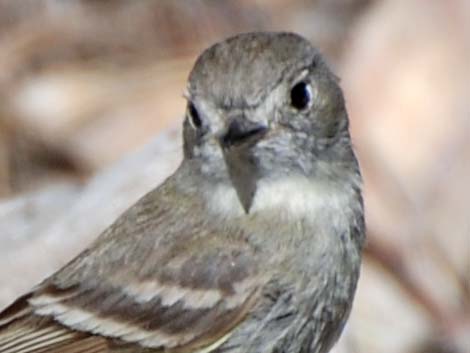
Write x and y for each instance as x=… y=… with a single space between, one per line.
x=294 y=198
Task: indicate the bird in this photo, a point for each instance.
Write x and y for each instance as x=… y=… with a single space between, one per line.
x=254 y=243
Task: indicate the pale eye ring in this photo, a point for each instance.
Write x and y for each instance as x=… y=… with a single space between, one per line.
x=194 y=117
x=301 y=95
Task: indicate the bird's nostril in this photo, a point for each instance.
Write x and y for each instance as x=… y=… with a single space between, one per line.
x=240 y=132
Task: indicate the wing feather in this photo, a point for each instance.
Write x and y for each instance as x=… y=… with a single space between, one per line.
x=159 y=314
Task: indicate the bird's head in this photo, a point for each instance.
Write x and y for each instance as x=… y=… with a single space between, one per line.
x=265 y=107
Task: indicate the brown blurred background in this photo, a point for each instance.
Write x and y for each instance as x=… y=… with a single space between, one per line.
x=90 y=108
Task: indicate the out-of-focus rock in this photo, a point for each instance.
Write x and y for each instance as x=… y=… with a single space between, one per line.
x=21 y=221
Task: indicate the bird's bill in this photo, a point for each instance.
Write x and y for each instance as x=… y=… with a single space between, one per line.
x=237 y=145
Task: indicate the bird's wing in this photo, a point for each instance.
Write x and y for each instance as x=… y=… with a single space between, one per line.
x=176 y=295
x=192 y=312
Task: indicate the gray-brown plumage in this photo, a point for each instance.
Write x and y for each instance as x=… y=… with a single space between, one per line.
x=252 y=245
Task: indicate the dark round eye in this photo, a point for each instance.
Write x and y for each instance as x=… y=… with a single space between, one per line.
x=301 y=95
x=194 y=117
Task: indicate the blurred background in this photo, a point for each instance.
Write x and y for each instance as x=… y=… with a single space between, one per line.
x=90 y=112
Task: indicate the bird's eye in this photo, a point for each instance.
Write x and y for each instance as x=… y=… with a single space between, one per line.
x=194 y=117
x=301 y=95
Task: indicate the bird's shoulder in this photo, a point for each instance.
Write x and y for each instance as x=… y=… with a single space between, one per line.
x=152 y=275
